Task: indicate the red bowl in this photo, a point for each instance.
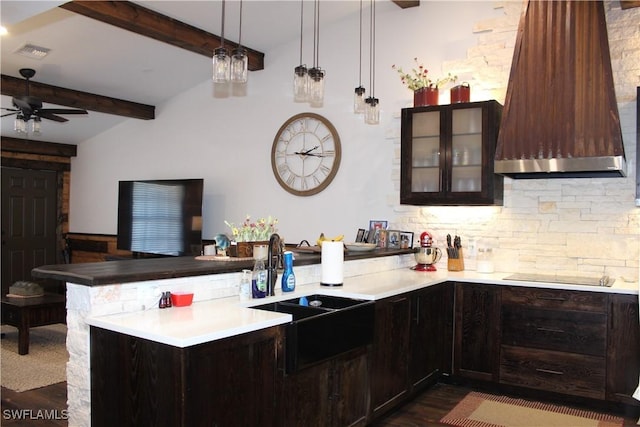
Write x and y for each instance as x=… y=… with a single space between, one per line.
x=181 y=299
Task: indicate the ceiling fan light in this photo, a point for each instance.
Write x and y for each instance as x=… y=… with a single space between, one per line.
x=239 y=65
x=300 y=84
x=19 y=124
x=35 y=126
x=221 y=65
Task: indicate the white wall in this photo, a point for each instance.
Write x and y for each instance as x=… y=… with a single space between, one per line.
x=228 y=141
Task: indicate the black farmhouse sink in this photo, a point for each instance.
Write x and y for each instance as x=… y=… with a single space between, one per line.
x=331 y=326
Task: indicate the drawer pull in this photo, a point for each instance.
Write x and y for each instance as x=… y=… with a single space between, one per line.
x=549 y=371
x=552 y=298
x=559 y=331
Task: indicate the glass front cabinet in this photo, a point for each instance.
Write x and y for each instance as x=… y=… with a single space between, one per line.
x=447 y=154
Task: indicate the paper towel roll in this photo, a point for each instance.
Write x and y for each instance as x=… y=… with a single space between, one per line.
x=332 y=260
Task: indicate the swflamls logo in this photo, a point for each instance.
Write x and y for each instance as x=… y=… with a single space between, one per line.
x=35 y=414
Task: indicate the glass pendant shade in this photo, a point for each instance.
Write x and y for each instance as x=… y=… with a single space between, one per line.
x=358 y=100
x=239 y=65
x=35 y=126
x=221 y=65
x=300 y=84
x=316 y=87
x=19 y=125
x=372 y=111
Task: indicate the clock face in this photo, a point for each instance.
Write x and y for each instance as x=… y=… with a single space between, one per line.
x=306 y=153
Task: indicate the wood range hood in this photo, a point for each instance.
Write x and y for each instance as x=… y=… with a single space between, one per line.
x=560 y=117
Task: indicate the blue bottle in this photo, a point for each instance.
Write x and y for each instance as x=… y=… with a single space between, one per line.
x=288 y=278
x=259 y=280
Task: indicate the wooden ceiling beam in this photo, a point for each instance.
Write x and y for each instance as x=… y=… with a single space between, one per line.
x=143 y=21
x=404 y=4
x=13 y=86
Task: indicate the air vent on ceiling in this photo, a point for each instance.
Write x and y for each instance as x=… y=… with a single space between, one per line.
x=32 y=51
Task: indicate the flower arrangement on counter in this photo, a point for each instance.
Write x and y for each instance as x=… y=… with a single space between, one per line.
x=418 y=78
x=253 y=231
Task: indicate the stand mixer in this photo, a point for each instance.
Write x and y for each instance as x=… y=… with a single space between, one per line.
x=426 y=255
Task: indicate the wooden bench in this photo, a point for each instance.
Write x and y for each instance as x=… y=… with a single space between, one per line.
x=25 y=313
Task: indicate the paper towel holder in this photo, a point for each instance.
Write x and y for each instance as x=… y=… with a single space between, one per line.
x=330 y=284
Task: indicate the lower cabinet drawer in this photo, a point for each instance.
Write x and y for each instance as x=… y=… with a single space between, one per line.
x=567 y=373
x=571 y=331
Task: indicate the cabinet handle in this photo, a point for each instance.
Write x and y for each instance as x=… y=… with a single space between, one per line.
x=552 y=298
x=417 y=311
x=560 y=331
x=549 y=371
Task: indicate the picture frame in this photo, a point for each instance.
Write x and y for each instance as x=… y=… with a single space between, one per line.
x=360 y=236
x=406 y=240
x=393 y=239
x=376 y=224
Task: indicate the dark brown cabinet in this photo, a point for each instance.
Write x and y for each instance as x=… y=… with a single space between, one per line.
x=447 y=155
x=431 y=335
x=412 y=344
x=233 y=381
x=554 y=340
x=623 y=348
x=477 y=331
x=332 y=393
x=389 y=358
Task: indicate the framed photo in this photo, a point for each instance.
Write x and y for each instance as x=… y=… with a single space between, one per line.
x=378 y=225
x=406 y=239
x=393 y=239
x=360 y=237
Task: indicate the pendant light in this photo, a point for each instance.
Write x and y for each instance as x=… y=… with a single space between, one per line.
x=239 y=59
x=358 y=97
x=300 y=75
x=316 y=74
x=221 y=59
x=372 y=110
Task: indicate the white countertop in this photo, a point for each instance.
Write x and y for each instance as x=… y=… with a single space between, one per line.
x=222 y=318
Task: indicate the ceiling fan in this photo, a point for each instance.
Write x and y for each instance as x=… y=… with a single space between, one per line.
x=29 y=107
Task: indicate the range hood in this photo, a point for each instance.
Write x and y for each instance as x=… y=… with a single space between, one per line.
x=560 y=117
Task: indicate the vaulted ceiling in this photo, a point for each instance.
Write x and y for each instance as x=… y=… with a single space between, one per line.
x=121 y=59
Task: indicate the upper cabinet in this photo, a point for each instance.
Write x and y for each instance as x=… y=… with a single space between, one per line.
x=447 y=154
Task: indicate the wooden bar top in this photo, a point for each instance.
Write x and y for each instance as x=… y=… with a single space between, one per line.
x=137 y=270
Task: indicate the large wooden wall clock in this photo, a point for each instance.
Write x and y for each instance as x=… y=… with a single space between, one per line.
x=306 y=154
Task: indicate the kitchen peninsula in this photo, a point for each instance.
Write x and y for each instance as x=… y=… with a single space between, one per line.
x=127 y=309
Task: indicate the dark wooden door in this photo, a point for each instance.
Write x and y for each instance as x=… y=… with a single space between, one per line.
x=623 y=352
x=29 y=211
x=390 y=357
x=477 y=331
x=431 y=334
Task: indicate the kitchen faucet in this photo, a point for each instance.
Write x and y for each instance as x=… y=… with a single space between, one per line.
x=272 y=270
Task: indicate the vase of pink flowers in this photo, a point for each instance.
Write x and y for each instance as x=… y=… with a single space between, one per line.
x=425 y=90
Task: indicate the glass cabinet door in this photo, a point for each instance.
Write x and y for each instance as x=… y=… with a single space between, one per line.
x=466 y=150
x=425 y=152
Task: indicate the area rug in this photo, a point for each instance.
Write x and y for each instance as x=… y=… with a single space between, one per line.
x=45 y=364
x=487 y=410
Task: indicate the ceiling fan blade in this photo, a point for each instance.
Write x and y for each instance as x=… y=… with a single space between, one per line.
x=52 y=117
x=9 y=114
x=23 y=105
x=61 y=111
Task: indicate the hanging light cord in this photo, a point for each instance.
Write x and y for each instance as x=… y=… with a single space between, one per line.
x=316 y=33
x=222 y=29
x=372 y=49
x=360 y=59
x=240 y=30
x=301 y=27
